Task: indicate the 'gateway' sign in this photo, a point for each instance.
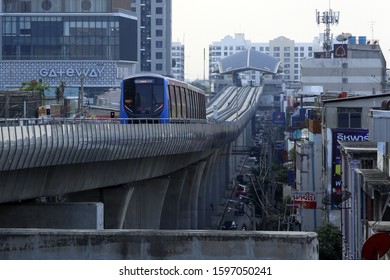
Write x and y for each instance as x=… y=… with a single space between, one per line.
x=90 y=72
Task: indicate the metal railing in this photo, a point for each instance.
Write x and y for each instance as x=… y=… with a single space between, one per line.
x=29 y=143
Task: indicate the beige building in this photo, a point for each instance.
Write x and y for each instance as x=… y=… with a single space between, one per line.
x=361 y=71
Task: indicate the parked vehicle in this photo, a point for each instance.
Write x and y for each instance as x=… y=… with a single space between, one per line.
x=241 y=190
x=229 y=225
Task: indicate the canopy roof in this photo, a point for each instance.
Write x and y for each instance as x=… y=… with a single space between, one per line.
x=249 y=60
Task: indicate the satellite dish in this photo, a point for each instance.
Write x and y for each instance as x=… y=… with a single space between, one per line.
x=336 y=198
x=376 y=246
x=343 y=37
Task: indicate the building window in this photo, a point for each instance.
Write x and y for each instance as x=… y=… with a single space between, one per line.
x=349 y=117
x=159 y=55
x=159 y=21
x=159 y=67
x=159 y=10
x=159 y=44
x=159 y=33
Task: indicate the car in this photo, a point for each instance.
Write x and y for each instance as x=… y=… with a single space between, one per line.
x=229 y=225
x=241 y=190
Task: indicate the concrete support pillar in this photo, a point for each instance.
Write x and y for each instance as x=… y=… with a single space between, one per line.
x=146 y=204
x=205 y=196
x=116 y=201
x=171 y=207
x=200 y=167
x=184 y=215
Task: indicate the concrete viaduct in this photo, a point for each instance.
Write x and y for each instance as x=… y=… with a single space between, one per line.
x=113 y=185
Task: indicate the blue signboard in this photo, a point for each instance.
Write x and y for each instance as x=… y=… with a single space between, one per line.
x=340 y=50
x=279 y=118
x=279 y=145
x=291 y=177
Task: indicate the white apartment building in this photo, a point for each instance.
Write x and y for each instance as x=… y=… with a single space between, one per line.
x=155 y=35
x=288 y=51
x=178 y=59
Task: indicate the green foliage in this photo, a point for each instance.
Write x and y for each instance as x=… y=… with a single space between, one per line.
x=330 y=241
x=35 y=86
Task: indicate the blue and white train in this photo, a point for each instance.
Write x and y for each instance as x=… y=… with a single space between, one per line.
x=156 y=98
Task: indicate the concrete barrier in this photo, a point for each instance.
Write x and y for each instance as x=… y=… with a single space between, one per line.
x=156 y=245
x=80 y=215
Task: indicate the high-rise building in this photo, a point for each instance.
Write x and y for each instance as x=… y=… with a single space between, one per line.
x=178 y=59
x=155 y=36
x=88 y=43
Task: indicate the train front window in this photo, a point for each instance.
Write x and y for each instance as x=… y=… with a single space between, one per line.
x=144 y=96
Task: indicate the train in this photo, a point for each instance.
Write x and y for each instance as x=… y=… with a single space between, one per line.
x=160 y=99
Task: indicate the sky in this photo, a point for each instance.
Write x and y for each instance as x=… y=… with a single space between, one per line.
x=199 y=23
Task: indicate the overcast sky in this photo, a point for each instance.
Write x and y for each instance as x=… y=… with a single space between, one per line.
x=198 y=23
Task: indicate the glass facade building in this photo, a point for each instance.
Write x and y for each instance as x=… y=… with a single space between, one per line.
x=62 y=40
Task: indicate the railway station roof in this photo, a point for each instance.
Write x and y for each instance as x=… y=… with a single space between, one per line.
x=249 y=60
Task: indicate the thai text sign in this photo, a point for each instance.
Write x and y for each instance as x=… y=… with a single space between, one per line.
x=306 y=199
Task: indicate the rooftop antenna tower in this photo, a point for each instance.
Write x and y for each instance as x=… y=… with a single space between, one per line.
x=328 y=18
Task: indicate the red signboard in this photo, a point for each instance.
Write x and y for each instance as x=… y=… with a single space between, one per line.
x=306 y=199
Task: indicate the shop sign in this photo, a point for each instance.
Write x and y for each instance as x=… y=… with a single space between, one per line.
x=306 y=199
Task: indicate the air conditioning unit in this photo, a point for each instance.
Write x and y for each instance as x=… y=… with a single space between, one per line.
x=45 y=6
x=86 y=5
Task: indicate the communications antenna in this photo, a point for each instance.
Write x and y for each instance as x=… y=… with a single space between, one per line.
x=328 y=18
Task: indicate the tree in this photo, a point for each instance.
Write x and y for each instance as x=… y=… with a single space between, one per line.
x=35 y=86
x=60 y=91
x=330 y=241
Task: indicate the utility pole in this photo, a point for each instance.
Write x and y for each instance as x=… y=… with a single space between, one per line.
x=81 y=93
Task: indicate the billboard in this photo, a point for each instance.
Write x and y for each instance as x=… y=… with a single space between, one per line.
x=340 y=134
